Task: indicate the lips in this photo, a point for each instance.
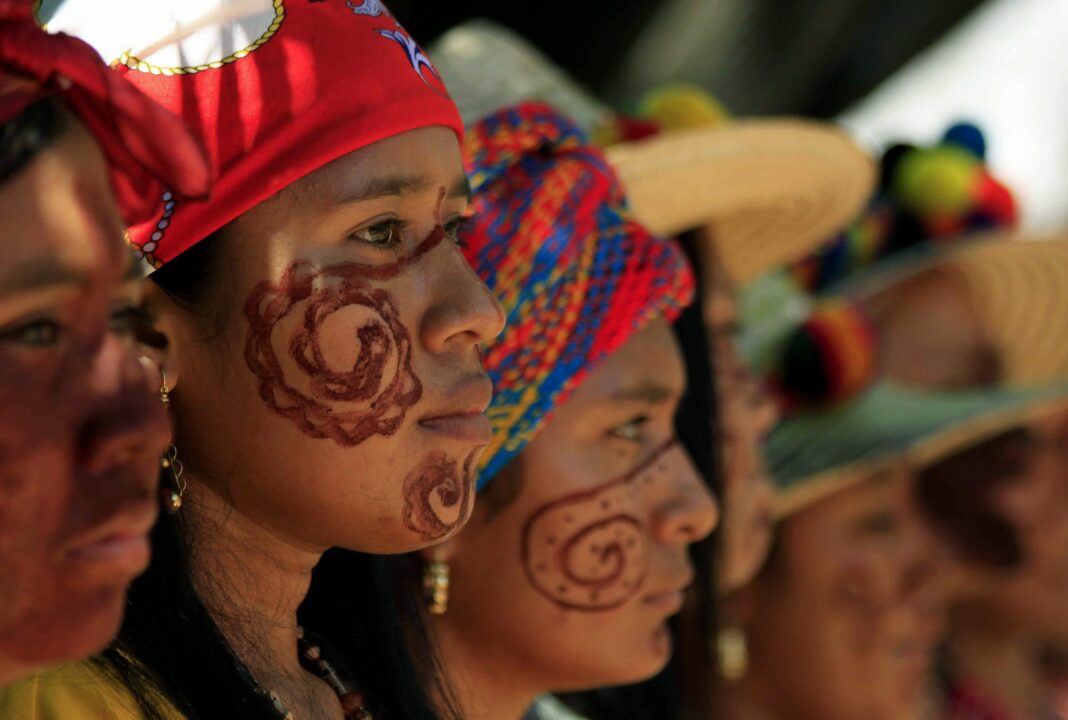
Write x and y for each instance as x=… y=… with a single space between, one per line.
x=118 y=548
x=669 y=601
x=461 y=417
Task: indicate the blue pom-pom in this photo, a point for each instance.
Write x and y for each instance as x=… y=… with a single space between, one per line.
x=967 y=136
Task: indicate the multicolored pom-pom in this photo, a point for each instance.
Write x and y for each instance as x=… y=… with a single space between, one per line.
x=830 y=358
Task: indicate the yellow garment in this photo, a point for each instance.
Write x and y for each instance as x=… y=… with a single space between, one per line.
x=72 y=692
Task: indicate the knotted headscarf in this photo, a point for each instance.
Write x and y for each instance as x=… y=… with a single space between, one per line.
x=552 y=236
x=146 y=146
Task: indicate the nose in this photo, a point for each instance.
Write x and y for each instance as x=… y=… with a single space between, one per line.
x=125 y=424
x=689 y=512
x=929 y=559
x=463 y=311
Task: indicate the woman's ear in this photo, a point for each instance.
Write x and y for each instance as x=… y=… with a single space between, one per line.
x=158 y=356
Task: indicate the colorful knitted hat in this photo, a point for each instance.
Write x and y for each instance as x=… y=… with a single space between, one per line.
x=274 y=88
x=145 y=146
x=552 y=236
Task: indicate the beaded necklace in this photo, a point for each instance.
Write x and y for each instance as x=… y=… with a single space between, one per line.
x=352 y=703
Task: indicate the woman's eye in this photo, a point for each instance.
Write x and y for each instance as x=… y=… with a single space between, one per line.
x=35 y=333
x=630 y=430
x=385 y=234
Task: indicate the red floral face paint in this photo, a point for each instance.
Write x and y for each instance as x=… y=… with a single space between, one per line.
x=585 y=551
x=437 y=495
x=341 y=391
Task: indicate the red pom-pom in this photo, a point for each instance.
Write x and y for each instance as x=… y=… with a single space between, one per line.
x=631 y=128
x=995 y=201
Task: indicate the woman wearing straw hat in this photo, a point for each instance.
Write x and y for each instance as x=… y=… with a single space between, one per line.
x=577 y=553
x=867 y=617
x=325 y=383
x=79 y=432
x=1001 y=505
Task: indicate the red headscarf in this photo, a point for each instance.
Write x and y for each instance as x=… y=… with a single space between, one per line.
x=146 y=146
x=309 y=82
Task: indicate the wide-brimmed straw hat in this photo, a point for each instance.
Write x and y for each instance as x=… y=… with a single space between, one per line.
x=890 y=427
x=771 y=189
x=1018 y=292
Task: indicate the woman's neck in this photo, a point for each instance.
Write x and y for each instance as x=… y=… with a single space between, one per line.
x=252 y=582
x=1000 y=661
x=486 y=686
x=744 y=700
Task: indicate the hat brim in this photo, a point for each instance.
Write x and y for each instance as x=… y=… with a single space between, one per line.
x=813 y=455
x=772 y=190
x=1017 y=286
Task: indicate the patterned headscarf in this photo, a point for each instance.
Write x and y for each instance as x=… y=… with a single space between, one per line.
x=146 y=147
x=552 y=236
x=275 y=92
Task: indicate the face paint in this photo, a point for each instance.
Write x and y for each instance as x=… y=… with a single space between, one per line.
x=347 y=393
x=584 y=551
x=437 y=495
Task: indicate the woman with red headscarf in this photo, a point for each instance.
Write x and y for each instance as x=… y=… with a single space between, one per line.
x=325 y=382
x=80 y=435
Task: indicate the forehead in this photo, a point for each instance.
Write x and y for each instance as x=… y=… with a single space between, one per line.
x=430 y=153
x=834 y=517
x=59 y=213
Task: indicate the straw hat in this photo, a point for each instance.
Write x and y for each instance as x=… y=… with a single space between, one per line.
x=772 y=189
x=1017 y=286
x=888 y=428
x=1018 y=291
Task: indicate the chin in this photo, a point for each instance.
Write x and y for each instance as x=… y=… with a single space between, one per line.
x=81 y=627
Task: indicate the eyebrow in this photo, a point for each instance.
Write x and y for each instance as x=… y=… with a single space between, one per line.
x=396 y=185
x=38 y=274
x=648 y=393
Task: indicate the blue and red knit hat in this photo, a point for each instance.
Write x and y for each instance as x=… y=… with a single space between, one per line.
x=552 y=236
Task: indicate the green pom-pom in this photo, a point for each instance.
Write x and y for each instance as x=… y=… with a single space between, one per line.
x=940 y=181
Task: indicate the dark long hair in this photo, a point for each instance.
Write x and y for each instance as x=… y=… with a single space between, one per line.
x=685 y=690
x=28 y=133
x=360 y=606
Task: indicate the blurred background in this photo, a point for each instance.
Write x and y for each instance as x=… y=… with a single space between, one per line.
x=889 y=70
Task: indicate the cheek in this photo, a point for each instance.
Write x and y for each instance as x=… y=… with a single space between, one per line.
x=591 y=550
x=587 y=553
x=331 y=353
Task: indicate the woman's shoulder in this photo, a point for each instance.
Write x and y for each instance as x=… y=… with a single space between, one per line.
x=78 y=691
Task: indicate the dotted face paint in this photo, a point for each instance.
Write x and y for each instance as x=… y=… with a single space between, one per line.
x=346 y=394
x=438 y=494
x=585 y=551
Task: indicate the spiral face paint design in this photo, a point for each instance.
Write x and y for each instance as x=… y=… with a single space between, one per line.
x=585 y=551
x=346 y=394
x=437 y=495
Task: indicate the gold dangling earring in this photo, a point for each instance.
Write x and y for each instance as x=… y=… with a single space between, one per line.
x=732 y=646
x=436 y=586
x=169 y=462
